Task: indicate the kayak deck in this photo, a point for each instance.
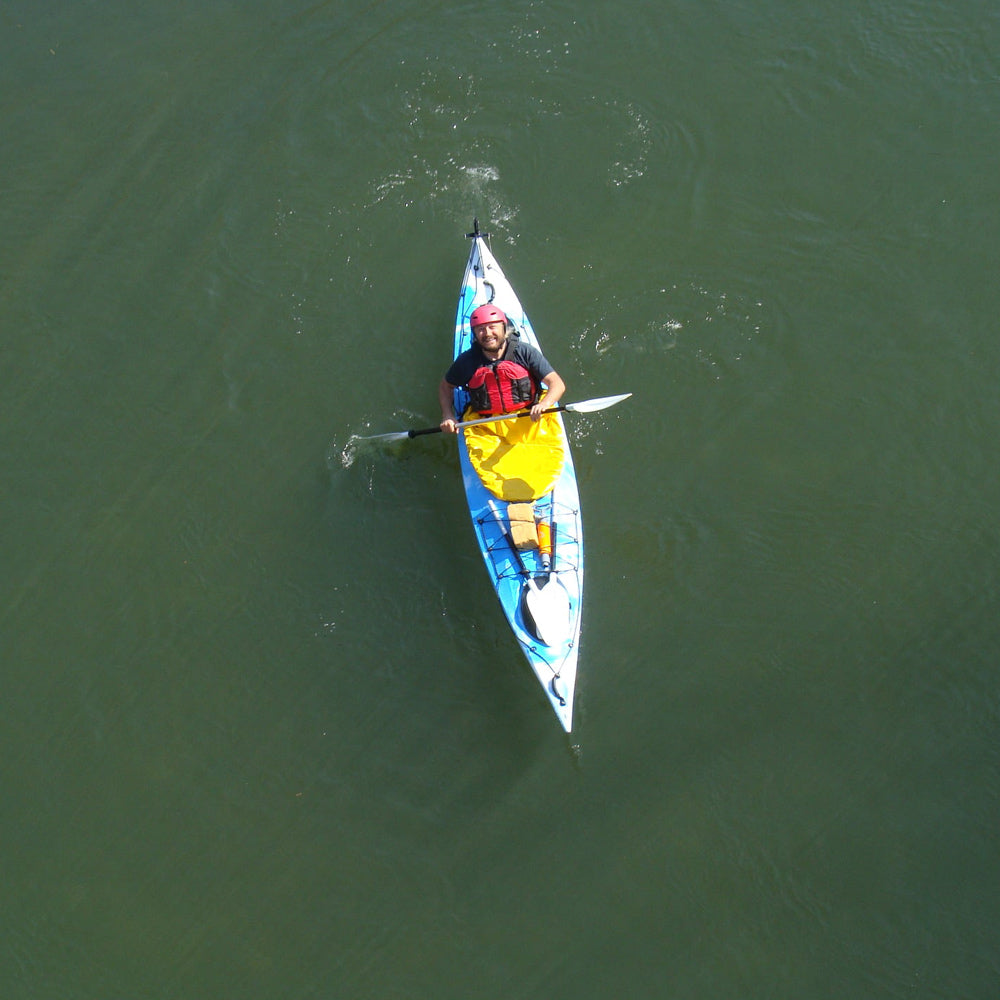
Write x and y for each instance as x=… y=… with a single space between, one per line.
x=541 y=595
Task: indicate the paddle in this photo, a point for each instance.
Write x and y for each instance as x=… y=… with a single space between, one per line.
x=584 y=406
x=547 y=605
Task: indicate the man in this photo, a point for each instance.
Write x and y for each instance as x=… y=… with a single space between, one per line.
x=501 y=374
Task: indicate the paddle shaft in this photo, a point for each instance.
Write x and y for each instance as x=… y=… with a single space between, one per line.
x=583 y=406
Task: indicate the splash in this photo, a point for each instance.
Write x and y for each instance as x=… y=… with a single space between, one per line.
x=480 y=176
x=342 y=457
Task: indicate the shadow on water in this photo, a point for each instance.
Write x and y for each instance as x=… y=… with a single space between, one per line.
x=431 y=644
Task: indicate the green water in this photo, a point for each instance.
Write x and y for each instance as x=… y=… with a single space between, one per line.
x=264 y=732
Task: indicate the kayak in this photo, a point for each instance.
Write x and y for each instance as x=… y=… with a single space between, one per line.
x=526 y=520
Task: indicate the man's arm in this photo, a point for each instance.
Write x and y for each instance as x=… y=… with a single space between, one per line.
x=554 y=389
x=446 y=397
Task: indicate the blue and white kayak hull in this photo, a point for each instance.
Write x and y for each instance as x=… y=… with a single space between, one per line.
x=552 y=650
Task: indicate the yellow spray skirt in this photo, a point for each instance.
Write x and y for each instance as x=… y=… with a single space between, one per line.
x=517 y=460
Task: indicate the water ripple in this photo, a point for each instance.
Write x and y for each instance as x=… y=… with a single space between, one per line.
x=929 y=40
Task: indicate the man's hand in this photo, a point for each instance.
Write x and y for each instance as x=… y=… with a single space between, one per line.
x=554 y=388
x=446 y=397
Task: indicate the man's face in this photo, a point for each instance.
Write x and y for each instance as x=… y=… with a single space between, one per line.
x=491 y=336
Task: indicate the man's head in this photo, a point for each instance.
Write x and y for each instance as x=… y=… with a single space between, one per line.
x=489 y=327
x=483 y=315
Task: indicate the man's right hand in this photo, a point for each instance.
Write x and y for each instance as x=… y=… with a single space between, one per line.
x=446 y=402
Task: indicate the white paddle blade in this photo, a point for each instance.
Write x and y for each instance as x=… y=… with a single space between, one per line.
x=392 y=436
x=592 y=405
x=548 y=607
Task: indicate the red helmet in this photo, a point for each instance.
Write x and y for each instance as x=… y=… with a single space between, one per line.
x=486 y=314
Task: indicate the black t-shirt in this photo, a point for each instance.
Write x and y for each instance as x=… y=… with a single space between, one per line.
x=466 y=364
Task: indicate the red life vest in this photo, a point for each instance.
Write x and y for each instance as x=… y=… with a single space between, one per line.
x=501 y=387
